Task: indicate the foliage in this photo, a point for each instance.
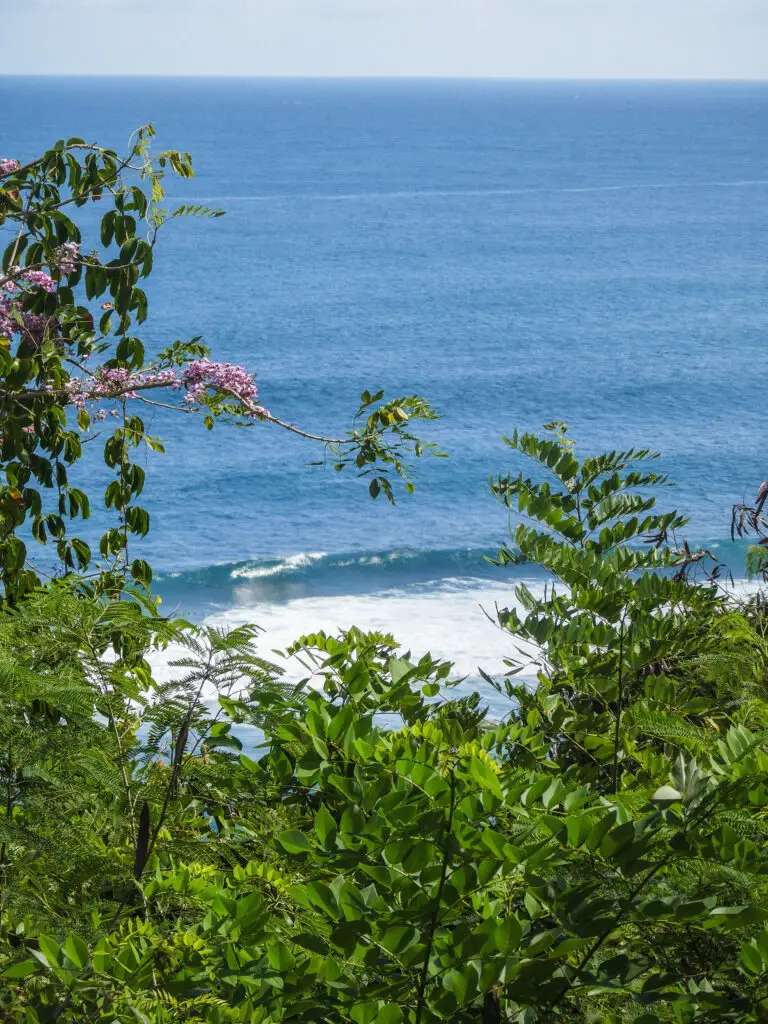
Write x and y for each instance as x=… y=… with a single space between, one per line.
x=70 y=360
x=749 y=520
x=390 y=854
x=620 y=624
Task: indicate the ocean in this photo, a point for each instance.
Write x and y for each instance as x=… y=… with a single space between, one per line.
x=515 y=251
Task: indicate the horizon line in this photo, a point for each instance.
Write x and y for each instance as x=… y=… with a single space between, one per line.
x=581 y=79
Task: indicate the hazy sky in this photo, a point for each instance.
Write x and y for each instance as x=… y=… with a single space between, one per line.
x=494 y=38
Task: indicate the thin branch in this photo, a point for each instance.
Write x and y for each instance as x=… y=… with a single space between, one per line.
x=118 y=740
x=436 y=911
x=131 y=387
x=303 y=433
x=620 y=685
x=177 y=761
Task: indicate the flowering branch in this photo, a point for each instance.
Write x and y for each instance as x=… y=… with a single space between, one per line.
x=49 y=331
x=199 y=378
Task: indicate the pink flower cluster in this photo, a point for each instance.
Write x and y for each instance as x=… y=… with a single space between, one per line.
x=8 y=166
x=37 y=324
x=198 y=377
x=39 y=279
x=67 y=256
x=117 y=383
x=8 y=325
x=35 y=278
x=202 y=374
x=14 y=321
x=109 y=382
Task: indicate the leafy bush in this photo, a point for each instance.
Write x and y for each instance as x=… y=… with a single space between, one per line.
x=597 y=855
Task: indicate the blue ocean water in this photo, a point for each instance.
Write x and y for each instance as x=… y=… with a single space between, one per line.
x=517 y=252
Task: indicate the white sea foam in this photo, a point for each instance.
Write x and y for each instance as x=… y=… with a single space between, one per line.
x=741 y=589
x=451 y=625
x=454 y=625
x=286 y=565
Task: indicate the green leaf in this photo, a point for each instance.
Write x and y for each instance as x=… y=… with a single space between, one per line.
x=102 y=955
x=280 y=957
x=325 y=826
x=76 y=950
x=294 y=841
x=751 y=958
x=322 y=896
x=314 y=943
x=484 y=775
x=455 y=982
x=389 y=1013
x=41 y=958
x=228 y=742
x=141 y=571
x=365 y=1013
x=20 y=970
x=49 y=948
x=507 y=935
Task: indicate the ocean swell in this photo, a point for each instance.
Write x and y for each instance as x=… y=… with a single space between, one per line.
x=318 y=574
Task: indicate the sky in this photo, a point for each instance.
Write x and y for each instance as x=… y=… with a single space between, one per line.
x=714 y=39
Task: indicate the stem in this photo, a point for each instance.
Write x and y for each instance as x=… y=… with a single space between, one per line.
x=8 y=800
x=175 y=771
x=118 y=741
x=492 y=1007
x=303 y=433
x=436 y=911
x=123 y=485
x=579 y=516
x=618 y=711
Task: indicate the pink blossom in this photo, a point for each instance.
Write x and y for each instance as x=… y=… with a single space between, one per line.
x=120 y=382
x=37 y=325
x=39 y=279
x=203 y=375
x=28 y=430
x=8 y=166
x=35 y=278
x=8 y=324
x=116 y=382
x=111 y=383
x=66 y=257
x=198 y=377
x=14 y=321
